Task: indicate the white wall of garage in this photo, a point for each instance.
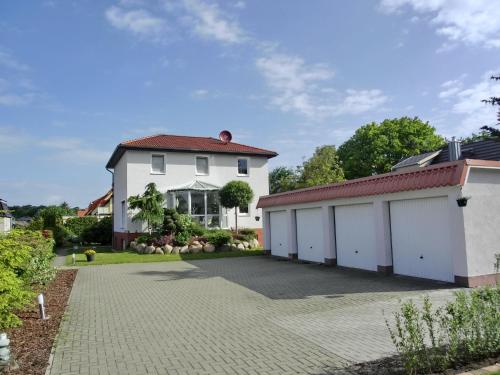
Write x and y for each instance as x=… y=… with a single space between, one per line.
x=380 y=254
x=481 y=220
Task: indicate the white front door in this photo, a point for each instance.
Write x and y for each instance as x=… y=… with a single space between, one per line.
x=279 y=233
x=421 y=244
x=355 y=236
x=310 y=241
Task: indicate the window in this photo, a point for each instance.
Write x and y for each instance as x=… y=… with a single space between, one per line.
x=202 y=206
x=244 y=211
x=242 y=167
x=202 y=165
x=158 y=164
x=124 y=215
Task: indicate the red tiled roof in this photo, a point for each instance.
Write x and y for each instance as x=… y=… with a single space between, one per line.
x=444 y=174
x=186 y=143
x=101 y=201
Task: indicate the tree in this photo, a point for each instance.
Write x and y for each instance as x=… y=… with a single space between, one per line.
x=235 y=194
x=282 y=179
x=149 y=206
x=52 y=216
x=375 y=148
x=322 y=168
x=494 y=100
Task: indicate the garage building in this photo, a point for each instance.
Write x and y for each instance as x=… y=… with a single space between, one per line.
x=440 y=222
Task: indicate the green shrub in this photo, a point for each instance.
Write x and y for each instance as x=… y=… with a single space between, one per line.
x=184 y=223
x=14 y=296
x=62 y=235
x=464 y=330
x=170 y=218
x=219 y=237
x=251 y=233
x=100 y=232
x=197 y=229
x=78 y=224
x=25 y=259
x=182 y=238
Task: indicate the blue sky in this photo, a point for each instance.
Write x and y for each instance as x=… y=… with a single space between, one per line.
x=78 y=77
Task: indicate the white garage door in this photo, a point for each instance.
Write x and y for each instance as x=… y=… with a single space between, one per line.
x=355 y=236
x=420 y=231
x=310 y=235
x=279 y=238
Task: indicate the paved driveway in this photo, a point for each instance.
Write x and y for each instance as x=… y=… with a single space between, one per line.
x=251 y=315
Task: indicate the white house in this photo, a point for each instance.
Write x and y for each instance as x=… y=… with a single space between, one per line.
x=5 y=217
x=438 y=222
x=101 y=207
x=189 y=171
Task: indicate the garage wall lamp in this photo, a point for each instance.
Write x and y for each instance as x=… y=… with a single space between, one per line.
x=462 y=202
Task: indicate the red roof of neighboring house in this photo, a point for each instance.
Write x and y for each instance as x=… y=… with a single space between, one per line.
x=443 y=174
x=81 y=213
x=99 y=202
x=185 y=143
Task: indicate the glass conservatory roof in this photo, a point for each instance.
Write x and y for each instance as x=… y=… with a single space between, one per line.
x=195 y=185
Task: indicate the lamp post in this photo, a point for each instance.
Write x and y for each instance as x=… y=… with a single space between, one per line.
x=4 y=351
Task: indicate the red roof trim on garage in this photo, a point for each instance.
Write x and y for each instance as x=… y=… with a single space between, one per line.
x=439 y=175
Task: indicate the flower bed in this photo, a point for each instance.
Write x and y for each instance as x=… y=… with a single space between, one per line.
x=32 y=342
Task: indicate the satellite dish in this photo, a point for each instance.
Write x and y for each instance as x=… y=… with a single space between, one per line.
x=225 y=136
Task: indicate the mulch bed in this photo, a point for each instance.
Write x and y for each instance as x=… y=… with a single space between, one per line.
x=31 y=343
x=394 y=366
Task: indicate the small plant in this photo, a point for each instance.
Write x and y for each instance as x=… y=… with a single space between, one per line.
x=219 y=238
x=182 y=238
x=464 y=330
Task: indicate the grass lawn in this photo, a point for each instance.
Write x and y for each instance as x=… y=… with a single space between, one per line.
x=106 y=256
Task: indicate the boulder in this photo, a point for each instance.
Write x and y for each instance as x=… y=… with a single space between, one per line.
x=208 y=248
x=245 y=244
x=133 y=245
x=184 y=249
x=240 y=246
x=195 y=243
x=167 y=249
x=176 y=250
x=195 y=248
x=149 y=250
x=158 y=250
x=141 y=247
x=254 y=243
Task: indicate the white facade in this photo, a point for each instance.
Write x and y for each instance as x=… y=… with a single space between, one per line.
x=420 y=233
x=5 y=224
x=134 y=171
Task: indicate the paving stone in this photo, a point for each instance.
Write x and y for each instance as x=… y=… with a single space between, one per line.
x=228 y=316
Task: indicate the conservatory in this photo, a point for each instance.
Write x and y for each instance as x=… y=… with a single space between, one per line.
x=201 y=201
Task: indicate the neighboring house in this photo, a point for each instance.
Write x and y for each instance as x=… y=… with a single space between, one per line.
x=480 y=150
x=101 y=207
x=22 y=222
x=189 y=171
x=5 y=217
x=436 y=222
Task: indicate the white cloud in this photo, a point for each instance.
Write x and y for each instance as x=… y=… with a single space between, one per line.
x=240 y=4
x=12 y=100
x=460 y=21
x=208 y=21
x=7 y=61
x=199 y=94
x=139 y=21
x=467 y=103
x=304 y=89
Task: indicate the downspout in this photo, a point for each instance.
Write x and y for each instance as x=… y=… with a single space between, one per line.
x=113 y=203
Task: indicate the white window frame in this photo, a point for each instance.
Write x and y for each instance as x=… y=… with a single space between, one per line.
x=196 y=165
x=164 y=164
x=124 y=214
x=248 y=167
x=246 y=214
